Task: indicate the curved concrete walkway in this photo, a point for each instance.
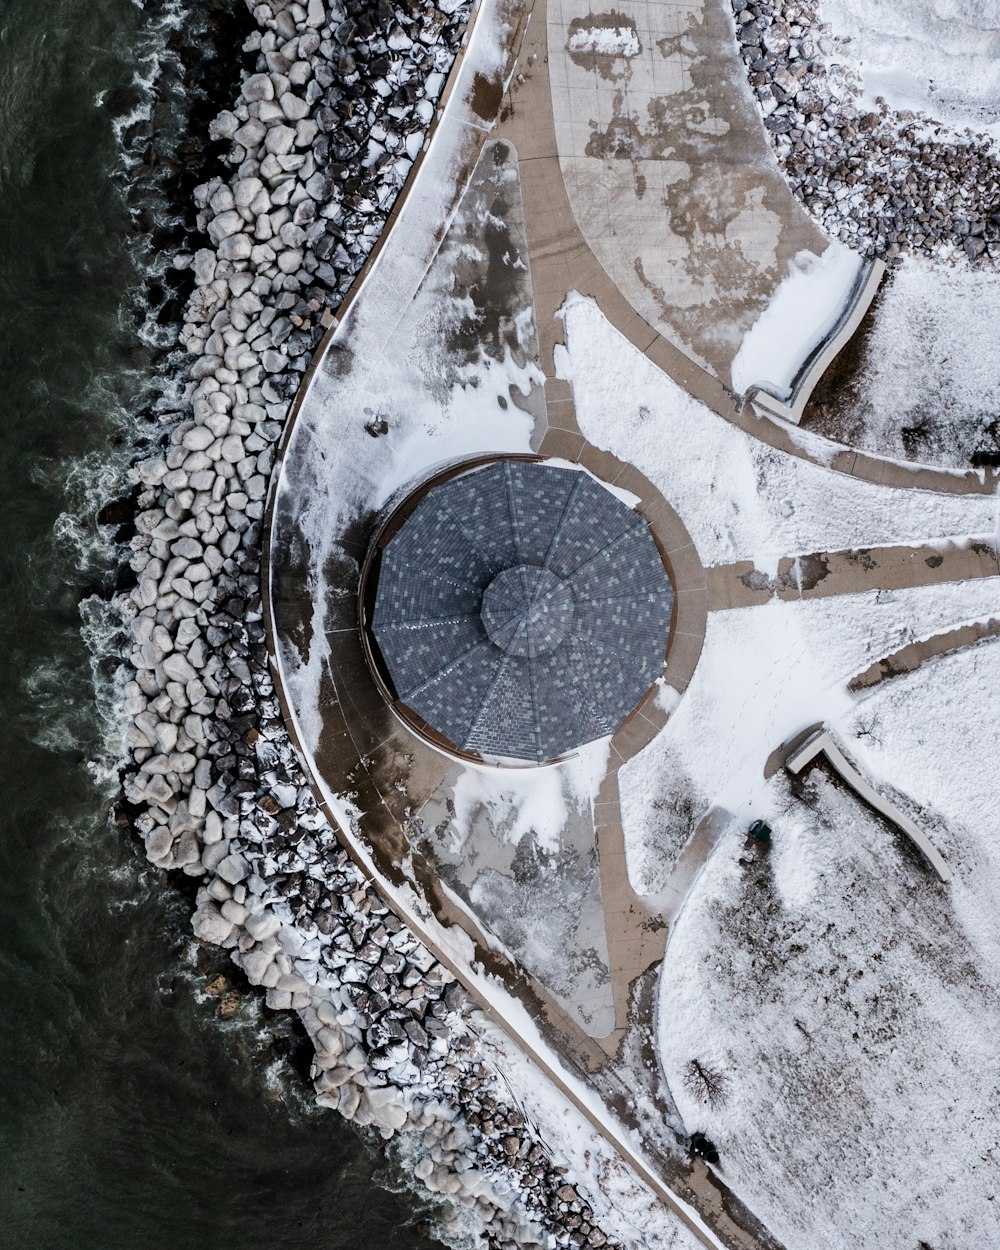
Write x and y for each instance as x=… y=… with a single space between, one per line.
x=915 y=654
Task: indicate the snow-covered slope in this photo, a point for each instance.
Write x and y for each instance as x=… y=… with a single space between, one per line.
x=941 y=57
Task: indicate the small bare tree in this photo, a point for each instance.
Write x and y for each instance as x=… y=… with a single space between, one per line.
x=708 y=1085
x=870 y=726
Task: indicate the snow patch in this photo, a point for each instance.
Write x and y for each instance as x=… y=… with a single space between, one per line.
x=531 y=800
x=606 y=41
x=928 y=386
x=804 y=309
x=799 y=863
x=940 y=57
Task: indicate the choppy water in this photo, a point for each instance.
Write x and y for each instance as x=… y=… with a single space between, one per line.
x=129 y=1115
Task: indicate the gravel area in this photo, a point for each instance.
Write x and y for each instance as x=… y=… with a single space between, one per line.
x=884 y=182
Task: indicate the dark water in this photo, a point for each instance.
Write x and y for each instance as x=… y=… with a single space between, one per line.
x=130 y=1116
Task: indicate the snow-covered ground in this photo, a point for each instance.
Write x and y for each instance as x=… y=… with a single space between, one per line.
x=739 y=498
x=826 y=1007
x=519 y=845
x=844 y=1005
x=849 y=1020
x=616 y=39
x=926 y=385
x=936 y=734
x=939 y=57
x=765 y=674
x=937 y=194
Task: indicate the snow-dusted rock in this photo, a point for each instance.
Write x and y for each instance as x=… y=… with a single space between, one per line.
x=263 y=925
x=210 y=925
x=234 y=868
x=258 y=87
x=251 y=134
x=280 y=140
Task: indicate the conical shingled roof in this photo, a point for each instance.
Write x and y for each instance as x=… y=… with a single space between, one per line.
x=522 y=610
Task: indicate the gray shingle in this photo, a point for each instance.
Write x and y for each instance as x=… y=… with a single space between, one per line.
x=522 y=610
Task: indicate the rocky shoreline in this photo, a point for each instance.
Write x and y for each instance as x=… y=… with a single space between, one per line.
x=882 y=182
x=320 y=141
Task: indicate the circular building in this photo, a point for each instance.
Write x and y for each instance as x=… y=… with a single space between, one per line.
x=519 y=611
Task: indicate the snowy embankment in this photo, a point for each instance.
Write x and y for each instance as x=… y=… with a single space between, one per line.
x=927 y=382
x=940 y=59
x=905 y=730
x=844 y=1020
x=323 y=136
x=828 y=1011
x=805 y=309
x=885 y=119
x=879 y=178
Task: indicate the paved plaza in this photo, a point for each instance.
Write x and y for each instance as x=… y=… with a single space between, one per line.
x=668 y=172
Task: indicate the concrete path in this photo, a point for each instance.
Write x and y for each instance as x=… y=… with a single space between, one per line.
x=823 y=574
x=670 y=176
x=915 y=654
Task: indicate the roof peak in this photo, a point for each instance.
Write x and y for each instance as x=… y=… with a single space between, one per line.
x=527 y=610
